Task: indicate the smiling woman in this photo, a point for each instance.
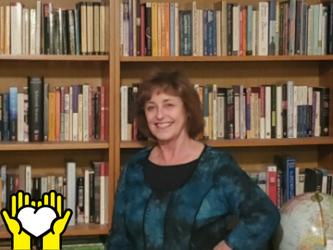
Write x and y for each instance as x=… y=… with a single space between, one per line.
x=177 y=87
x=181 y=193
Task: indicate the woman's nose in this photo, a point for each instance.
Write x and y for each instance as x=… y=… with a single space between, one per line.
x=160 y=113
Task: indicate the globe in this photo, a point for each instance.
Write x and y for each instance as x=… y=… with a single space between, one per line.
x=306 y=223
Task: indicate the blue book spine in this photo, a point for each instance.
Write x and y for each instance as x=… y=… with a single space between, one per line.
x=13 y=113
x=291 y=178
x=214 y=33
x=271 y=29
x=5 y=131
x=185 y=32
x=210 y=28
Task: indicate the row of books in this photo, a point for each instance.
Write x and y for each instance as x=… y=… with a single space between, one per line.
x=284 y=180
x=71 y=113
x=268 y=28
x=49 y=30
x=282 y=110
x=85 y=192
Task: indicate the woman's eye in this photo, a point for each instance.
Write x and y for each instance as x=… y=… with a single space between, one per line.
x=149 y=108
x=169 y=105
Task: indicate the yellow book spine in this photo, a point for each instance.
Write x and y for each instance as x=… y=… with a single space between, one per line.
x=167 y=28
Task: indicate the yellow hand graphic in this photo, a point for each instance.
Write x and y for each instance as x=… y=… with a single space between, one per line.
x=20 y=239
x=53 y=239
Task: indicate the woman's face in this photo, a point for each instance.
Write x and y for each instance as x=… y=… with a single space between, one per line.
x=166 y=116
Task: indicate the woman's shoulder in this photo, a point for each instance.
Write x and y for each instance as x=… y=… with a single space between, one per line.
x=139 y=156
x=219 y=160
x=215 y=154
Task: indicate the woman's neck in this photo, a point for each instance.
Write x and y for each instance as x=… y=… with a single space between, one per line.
x=177 y=152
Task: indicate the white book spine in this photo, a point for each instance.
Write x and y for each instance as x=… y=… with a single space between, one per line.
x=268 y=112
x=194 y=29
x=317 y=114
x=32 y=34
x=25 y=31
x=70 y=113
x=16 y=28
x=28 y=179
x=279 y=112
x=71 y=190
x=235 y=30
x=263 y=29
x=43 y=186
x=290 y=109
x=296 y=104
x=102 y=193
x=38 y=27
x=124 y=110
x=86 y=196
x=310 y=30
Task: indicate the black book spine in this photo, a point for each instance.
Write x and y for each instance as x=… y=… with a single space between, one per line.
x=35 y=113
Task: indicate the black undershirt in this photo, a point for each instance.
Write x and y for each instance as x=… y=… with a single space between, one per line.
x=171 y=177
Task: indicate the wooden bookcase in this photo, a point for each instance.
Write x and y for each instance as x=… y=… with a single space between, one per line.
x=63 y=70
x=251 y=154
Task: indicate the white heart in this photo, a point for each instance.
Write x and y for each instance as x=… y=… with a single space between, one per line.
x=36 y=220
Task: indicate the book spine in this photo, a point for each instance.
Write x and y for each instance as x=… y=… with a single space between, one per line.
x=35 y=87
x=71 y=188
x=13 y=113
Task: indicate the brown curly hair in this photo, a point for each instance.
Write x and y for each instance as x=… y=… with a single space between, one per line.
x=174 y=83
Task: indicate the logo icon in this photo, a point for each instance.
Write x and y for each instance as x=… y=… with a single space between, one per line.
x=44 y=219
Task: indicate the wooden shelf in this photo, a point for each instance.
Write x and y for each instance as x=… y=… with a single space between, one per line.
x=246 y=142
x=79 y=58
x=77 y=230
x=223 y=58
x=25 y=146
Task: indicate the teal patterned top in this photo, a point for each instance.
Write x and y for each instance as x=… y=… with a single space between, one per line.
x=195 y=216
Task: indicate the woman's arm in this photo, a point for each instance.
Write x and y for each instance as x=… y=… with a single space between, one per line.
x=117 y=238
x=257 y=215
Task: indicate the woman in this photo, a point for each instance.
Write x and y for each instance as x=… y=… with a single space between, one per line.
x=181 y=193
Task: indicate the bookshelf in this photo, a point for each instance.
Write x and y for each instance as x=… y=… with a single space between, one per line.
x=226 y=71
x=253 y=155
x=49 y=157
